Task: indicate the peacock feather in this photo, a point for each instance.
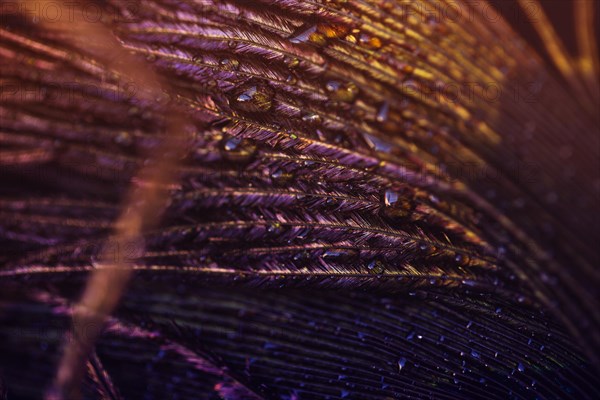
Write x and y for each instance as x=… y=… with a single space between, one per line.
x=281 y=199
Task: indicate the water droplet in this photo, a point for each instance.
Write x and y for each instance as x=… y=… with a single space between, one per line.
x=377 y=144
x=344 y=92
x=332 y=31
x=469 y=324
x=280 y=177
x=344 y=394
x=232 y=144
x=338 y=253
x=401 y=364
x=396 y=208
x=521 y=367
x=274 y=227
x=291 y=79
x=312 y=118
x=390 y=197
x=229 y=63
x=252 y=97
x=292 y=62
x=383 y=112
x=124 y=138
x=376 y=267
x=238 y=149
x=474 y=354
x=408 y=69
x=308 y=33
x=370 y=41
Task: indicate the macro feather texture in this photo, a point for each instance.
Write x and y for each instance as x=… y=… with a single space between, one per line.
x=365 y=199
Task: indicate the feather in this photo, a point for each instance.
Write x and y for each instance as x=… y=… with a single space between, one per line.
x=378 y=200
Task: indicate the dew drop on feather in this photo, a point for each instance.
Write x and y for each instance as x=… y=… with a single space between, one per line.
x=124 y=138
x=383 y=112
x=312 y=118
x=308 y=34
x=229 y=63
x=345 y=92
x=237 y=149
x=252 y=98
x=401 y=364
x=377 y=144
x=332 y=31
x=376 y=267
x=292 y=62
x=390 y=197
x=371 y=42
x=281 y=178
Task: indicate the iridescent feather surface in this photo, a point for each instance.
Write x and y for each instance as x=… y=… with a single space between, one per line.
x=353 y=199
